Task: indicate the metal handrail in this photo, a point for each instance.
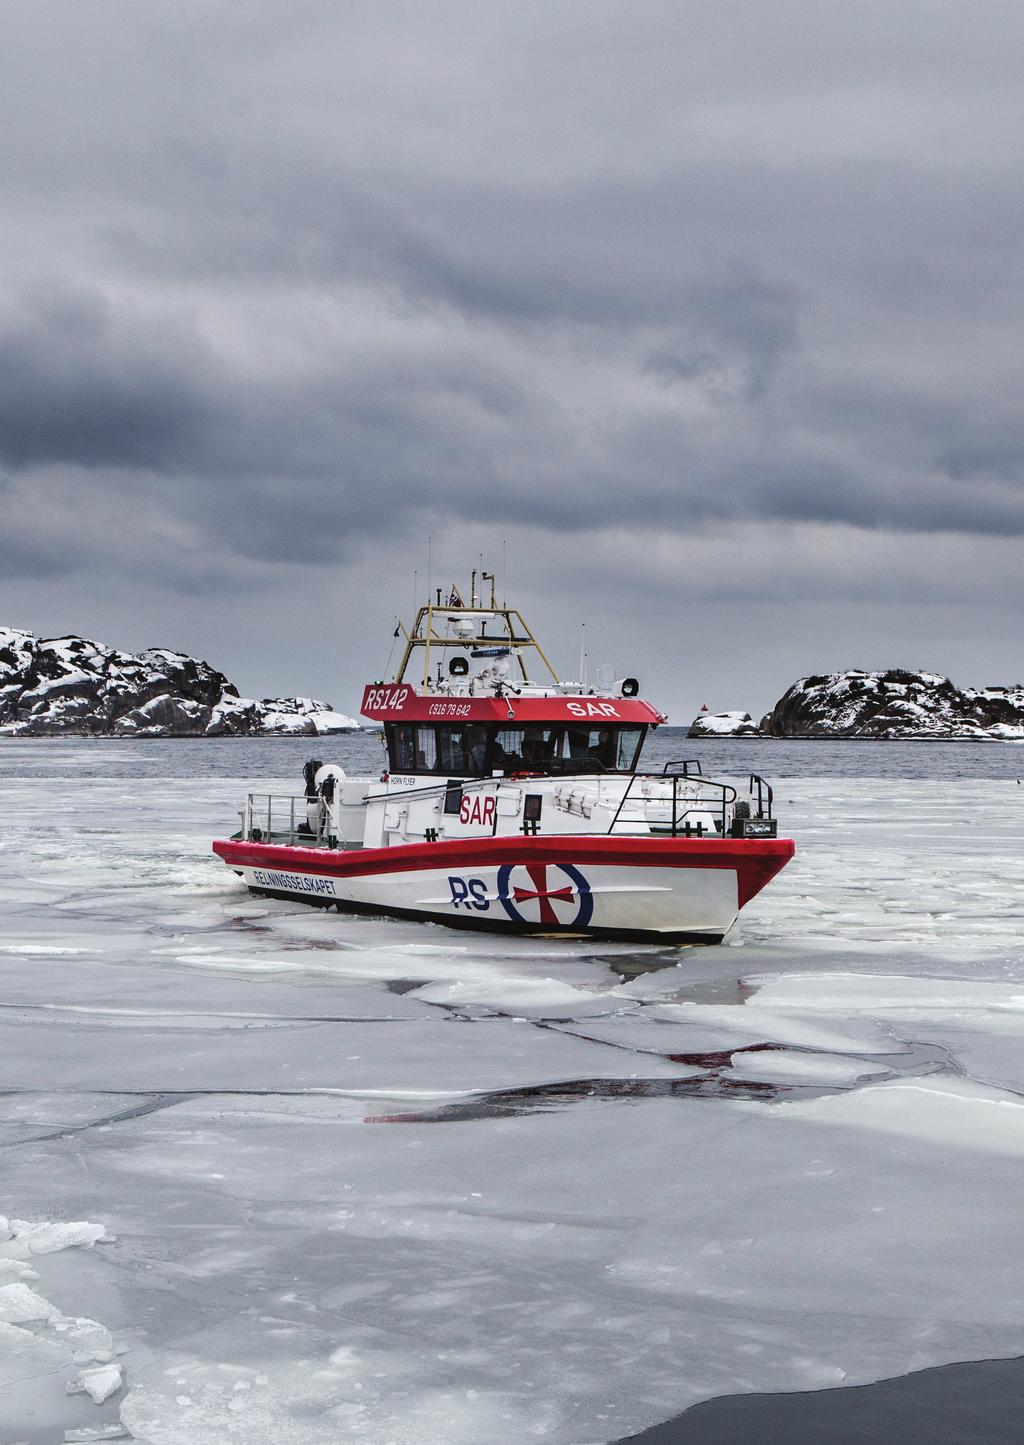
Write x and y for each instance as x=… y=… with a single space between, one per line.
x=763 y=789
x=251 y=822
x=443 y=785
x=726 y=794
x=261 y=805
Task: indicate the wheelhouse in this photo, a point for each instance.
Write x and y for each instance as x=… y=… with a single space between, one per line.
x=478 y=750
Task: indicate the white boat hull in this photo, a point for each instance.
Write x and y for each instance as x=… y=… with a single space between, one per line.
x=667 y=888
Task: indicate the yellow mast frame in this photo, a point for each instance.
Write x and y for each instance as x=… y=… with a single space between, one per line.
x=518 y=638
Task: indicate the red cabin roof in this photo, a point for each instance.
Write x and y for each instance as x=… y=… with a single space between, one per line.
x=400 y=702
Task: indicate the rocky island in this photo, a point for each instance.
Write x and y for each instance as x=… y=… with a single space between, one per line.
x=75 y=687
x=723 y=725
x=893 y=704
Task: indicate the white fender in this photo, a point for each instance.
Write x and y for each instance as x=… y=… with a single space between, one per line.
x=328 y=781
x=329 y=770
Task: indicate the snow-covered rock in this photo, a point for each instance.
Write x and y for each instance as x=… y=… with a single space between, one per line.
x=723 y=725
x=73 y=685
x=895 y=704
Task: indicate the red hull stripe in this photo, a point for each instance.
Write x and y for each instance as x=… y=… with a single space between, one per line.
x=754 y=860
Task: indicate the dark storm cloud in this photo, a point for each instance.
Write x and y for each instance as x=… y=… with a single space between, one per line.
x=280 y=284
x=79 y=385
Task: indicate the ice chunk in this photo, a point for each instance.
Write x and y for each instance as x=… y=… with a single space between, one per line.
x=801 y=1067
x=99 y=1382
x=16 y=1267
x=886 y=994
x=88 y=1339
x=762 y=1024
x=48 y=1238
x=954 y=1113
x=95 y=1432
x=20 y=1305
x=528 y=997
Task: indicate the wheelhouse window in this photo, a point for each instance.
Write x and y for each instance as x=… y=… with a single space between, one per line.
x=401 y=749
x=476 y=750
x=426 y=750
x=462 y=748
x=628 y=742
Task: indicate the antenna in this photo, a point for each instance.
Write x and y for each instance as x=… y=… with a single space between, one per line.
x=428 y=567
x=504 y=572
x=583 y=643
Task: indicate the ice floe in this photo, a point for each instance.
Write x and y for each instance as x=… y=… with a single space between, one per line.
x=348 y=1179
x=44 y=1351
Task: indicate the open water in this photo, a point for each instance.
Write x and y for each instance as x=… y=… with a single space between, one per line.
x=364 y=752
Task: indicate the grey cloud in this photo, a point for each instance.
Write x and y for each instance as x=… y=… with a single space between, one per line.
x=740 y=331
x=281 y=287
x=80 y=385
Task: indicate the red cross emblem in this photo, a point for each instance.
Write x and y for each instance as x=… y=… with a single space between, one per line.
x=576 y=892
x=539 y=878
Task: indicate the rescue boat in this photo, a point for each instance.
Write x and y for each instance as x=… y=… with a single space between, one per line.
x=512 y=803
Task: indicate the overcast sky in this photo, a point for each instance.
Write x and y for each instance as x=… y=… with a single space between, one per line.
x=711 y=312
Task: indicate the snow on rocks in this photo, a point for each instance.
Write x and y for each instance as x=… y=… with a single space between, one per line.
x=895 y=704
x=724 y=725
x=304 y=715
x=75 y=686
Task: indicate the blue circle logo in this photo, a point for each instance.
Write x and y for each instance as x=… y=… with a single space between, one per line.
x=542 y=891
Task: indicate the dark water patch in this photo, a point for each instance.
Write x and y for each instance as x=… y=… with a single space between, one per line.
x=716 y=1081
x=978 y=1403
x=730 y=990
x=405 y=985
x=629 y=966
x=547 y=1098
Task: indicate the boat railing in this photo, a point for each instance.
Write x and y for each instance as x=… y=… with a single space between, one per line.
x=281 y=817
x=762 y=790
x=442 y=786
x=711 y=798
x=263 y=820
